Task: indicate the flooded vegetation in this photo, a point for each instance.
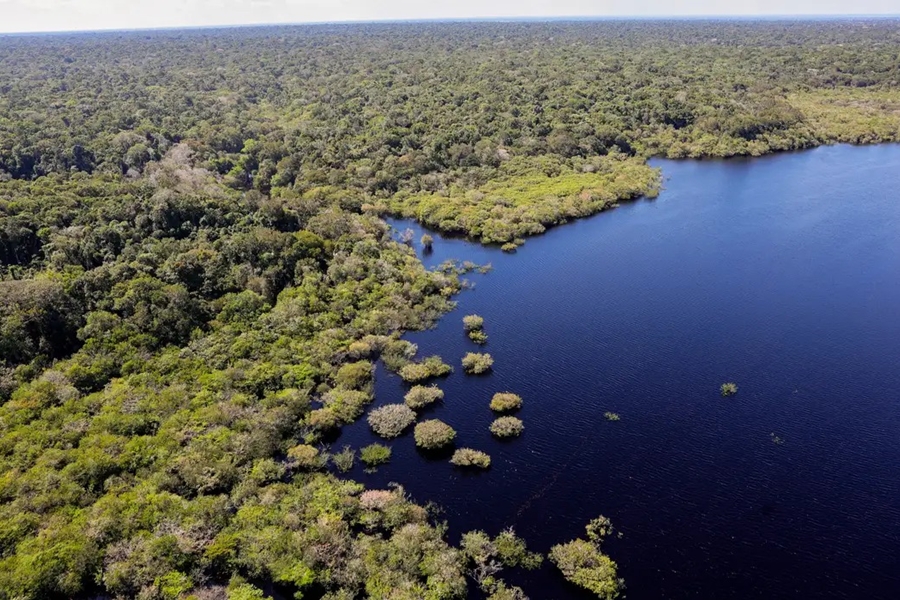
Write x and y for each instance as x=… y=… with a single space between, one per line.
x=232 y=261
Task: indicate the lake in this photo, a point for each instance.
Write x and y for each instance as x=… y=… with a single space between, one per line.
x=781 y=274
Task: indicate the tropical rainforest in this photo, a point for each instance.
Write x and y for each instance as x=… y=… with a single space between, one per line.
x=196 y=280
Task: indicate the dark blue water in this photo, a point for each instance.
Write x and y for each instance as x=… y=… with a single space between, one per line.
x=781 y=274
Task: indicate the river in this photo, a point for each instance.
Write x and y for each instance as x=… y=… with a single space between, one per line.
x=781 y=274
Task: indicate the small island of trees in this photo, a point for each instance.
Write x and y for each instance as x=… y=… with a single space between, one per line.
x=433 y=434
x=474 y=326
x=467 y=457
x=420 y=396
x=505 y=402
x=507 y=427
x=477 y=364
x=391 y=420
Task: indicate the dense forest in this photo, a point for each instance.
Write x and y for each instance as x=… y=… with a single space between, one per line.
x=196 y=282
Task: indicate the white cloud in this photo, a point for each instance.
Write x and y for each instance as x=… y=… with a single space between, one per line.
x=54 y=15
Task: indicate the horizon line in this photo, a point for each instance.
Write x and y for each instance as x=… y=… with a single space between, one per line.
x=451 y=20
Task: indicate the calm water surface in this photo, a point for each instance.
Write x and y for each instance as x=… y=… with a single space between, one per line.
x=781 y=274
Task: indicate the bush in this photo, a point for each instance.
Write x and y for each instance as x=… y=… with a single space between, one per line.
x=729 y=389
x=359 y=349
x=396 y=354
x=611 y=416
x=305 y=456
x=421 y=396
x=433 y=434
x=598 y=529
x=584 y=564
x=354 y=375
x=322 y=420
x=476 y=364
x=479 y=337
x=431 y=367
x=506 y=427
x=513 y=552
x=467 y=457
x=344 y=459
x=474 y=326
x=347 y=405
x=487 y=558
x=506 y=401
x=414 y=372
x=427 y=241
x=473 y=323
x=509 y=247
x=391 y=420
x=375 y=454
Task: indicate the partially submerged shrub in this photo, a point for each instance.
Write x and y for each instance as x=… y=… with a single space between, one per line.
x=347 y=405
x=473 y=322
x=583 y=563
x=479 y=337
x=431 y=367
x=486 y=558
x=474 y=326
x=427 y=241
x=322 y=420
x=611 y=416
x=505 y=402
x=396 y=354
x=509 y=247
x=414 y=372
x=391 y=420
x=513 y=552
x=437 y=367
x=344 y=459
x=476 y=364
x=433 y=434
x=375 y=454
x=729 y=389
x=420 y=396
x=354 y=375
x=598 y=529
x=467 y=457
x=305 y=456
x=506 y=427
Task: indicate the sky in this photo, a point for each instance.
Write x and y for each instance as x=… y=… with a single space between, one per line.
x=67 y=15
